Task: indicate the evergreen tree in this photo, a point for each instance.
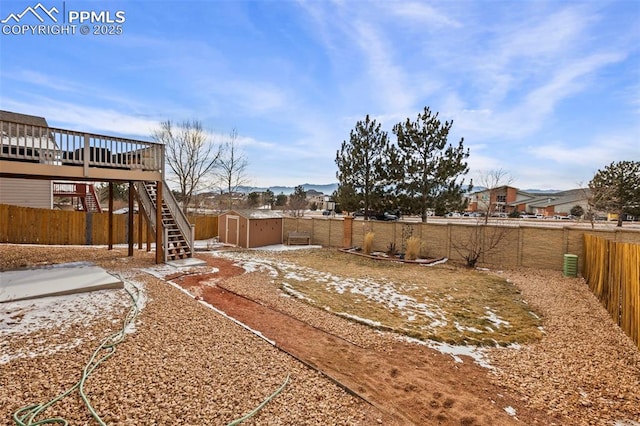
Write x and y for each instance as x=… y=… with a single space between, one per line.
x=298 y=201
x=253 y=199
x=361 y=161
x=346 y=198
x=426 y=169
x=281 y=200
x=268 y=198
x=616 y=189
x=577 y=211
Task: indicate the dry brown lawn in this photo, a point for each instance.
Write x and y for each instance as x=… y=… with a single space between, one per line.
x=445 y=303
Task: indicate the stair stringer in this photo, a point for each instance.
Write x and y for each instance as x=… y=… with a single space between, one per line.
x=178 y=233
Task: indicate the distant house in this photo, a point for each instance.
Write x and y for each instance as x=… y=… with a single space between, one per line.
x=507 y=199
x=34 y=193
x=250 y=228
x=559 y=203
x=503 y=199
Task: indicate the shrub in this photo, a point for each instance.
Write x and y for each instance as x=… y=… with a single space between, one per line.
x=391 y=249
x=368 y=242
x=414 y=244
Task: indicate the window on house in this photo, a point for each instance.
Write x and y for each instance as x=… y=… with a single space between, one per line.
x=501 y=198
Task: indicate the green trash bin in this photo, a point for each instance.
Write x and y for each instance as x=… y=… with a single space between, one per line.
x=570 y=265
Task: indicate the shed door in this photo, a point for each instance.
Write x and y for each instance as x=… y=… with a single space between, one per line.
x=233 y=229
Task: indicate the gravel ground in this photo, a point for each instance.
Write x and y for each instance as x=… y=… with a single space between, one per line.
x=185 y=364
x=585 y=368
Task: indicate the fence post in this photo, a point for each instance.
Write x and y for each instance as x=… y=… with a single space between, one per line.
x=347 y=234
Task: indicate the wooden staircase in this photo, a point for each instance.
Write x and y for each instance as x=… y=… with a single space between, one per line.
x=90 y=202
x=85 y=192
x=177 y=231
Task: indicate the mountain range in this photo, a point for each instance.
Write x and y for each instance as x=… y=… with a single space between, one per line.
x=327 y=189
x=330 y=188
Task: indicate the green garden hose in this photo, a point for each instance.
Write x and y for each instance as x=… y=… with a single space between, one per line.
x=259 y=407
x=27 y=416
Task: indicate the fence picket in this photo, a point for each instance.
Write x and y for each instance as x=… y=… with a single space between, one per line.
x=612 y=271
x=24 y=225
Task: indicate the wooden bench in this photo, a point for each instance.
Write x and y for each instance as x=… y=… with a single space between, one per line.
x=298 y=238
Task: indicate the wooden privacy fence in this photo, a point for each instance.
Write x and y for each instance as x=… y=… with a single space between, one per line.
x=206 y=226
x=613 y=272
x=24 y=225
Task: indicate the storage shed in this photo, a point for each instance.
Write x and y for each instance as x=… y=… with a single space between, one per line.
x=250 y=228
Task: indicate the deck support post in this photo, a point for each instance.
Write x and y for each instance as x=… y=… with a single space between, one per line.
x=140 y=213
x=110 y=224
x=130 y=219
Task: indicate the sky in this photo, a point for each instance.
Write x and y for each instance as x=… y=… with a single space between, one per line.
x=548 y=92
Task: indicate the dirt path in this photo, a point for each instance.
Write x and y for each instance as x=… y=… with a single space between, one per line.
x=416 y=385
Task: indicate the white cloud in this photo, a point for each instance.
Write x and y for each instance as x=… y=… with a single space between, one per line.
x=73 y=116
x=539 y=36
x=422 y=13
x=254 y=97
x=596 y=152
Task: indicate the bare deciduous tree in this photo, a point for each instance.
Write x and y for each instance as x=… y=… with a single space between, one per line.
x=480 y=240
x=488 y=232
x=493 y=180
x=232 y=167
x=189 y=153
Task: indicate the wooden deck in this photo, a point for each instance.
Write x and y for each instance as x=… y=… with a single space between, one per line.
x=29 y=151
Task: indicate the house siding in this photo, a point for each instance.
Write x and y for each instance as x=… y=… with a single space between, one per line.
x=33 y=193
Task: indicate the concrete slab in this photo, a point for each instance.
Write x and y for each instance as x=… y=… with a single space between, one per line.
x=189 y=261
x=55 y=280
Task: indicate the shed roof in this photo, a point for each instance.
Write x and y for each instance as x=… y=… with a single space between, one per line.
x=256 y=213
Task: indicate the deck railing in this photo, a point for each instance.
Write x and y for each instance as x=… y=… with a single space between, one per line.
x=48 y=145
x=71 y=188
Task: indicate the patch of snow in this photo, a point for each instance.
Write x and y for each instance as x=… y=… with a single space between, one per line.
x=460 y=327
x=388 y=294
x=359 y=319
x=62 y=312
x=40 y=351
x=258 y=267
x=284 y=247
x=292 y=292
x=295 y=276
x=476 y=353
x=626 y=423
x=163 y=270
x=438 y=262
x=495 y=319
x=510 y=411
